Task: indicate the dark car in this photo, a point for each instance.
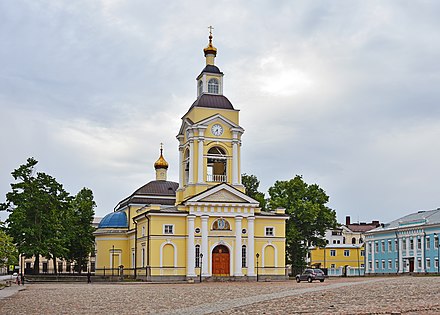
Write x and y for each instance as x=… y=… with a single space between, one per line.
x=311 y=274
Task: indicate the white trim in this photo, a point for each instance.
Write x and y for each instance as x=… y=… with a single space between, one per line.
x=161 y=253
x=221 y=187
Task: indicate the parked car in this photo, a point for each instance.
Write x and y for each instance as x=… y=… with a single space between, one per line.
x=311 y=274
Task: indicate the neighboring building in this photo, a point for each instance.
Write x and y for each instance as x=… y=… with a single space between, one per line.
x=205 y=223
x=26 y=265
x=344 y=253
x=408 y=244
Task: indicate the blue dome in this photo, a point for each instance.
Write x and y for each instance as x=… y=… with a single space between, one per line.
x=114 y=220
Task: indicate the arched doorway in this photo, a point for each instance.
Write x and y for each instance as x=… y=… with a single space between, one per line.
x=220 y=261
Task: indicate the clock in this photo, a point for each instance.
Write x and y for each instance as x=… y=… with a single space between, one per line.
x=217 y=130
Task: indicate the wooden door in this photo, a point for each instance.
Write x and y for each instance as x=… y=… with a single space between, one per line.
x=411 y=265
x=220 y=261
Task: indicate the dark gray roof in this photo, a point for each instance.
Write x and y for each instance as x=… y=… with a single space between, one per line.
x=211 y=69
x=212 y=101
x=151 y=192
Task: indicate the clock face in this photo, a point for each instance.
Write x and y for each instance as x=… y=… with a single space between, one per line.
x=217 y=130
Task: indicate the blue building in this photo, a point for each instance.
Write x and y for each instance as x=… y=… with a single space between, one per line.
x=408 y=244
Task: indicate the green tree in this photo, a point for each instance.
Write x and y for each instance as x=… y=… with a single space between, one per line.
x=251 y=183
x=8 y=250
x=37 y=205
x=81 y=239
x=309 y=217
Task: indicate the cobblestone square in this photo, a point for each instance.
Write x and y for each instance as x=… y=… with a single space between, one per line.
x=390 y=295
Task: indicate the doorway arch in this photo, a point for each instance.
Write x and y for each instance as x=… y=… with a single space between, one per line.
x=220 y=261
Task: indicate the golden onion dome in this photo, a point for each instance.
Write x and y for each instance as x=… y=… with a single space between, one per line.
x=161 y=163
x=210 y=49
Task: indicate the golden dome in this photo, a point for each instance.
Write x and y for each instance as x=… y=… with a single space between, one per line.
x=161 y=163
x=210 y=49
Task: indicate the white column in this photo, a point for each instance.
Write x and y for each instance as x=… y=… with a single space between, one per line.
x=235 y=174
x=373 y=263
x=237 y=268
x=422 y=238
x=181 y=168
x=190 y=252
x=251 y=247
x=400 y=255
x=204 y=249
x=191 y=161
x=200 y=169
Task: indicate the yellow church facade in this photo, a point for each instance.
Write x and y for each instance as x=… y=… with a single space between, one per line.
x=205 y=223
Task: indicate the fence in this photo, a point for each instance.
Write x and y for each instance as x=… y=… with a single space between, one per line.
x=346 y=272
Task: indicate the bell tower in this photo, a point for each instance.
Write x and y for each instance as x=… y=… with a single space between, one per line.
x=210 y=135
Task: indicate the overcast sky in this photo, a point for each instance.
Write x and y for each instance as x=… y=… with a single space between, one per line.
x=345 y=93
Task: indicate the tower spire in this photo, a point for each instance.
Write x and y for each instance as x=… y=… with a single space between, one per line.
x=161 y=166
x=210 y=51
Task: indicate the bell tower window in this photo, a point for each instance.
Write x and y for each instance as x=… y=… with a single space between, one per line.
x=186 y=165
x=200 y=87
x=213 y=86
x=216 y=166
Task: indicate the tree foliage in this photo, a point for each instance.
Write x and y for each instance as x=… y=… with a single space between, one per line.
x=251 y=183
x=309 y=217
x=81 y=240
x=41 y=215
x=8 y=251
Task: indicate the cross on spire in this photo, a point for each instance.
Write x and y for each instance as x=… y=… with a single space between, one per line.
x=210 y=30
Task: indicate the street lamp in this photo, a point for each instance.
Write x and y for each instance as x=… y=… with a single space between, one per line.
x=201 y=262
x=257 y=255
x=436 y=236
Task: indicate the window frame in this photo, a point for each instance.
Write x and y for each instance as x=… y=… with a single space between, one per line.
x=267 y=228
x=213 y=86
x=167 y=225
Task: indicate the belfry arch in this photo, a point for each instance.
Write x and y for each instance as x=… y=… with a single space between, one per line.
x=216 y=170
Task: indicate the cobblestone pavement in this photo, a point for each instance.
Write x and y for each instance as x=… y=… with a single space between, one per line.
x=391 y=295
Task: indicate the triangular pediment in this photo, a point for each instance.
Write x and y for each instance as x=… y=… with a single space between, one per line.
x=223 y=193
x=222 y=196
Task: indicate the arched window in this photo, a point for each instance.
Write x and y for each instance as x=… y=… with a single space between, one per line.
x=200 y=87
x=243 y=257
x=353 y=240
x=216 y=166
x=213 y=86
x=361 y=240
x=197 y=256
x=186 y=166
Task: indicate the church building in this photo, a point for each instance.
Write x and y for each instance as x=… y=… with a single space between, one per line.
x=205 y=223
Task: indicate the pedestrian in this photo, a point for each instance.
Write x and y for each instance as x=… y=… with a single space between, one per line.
x=89 y=277
x=22 y=278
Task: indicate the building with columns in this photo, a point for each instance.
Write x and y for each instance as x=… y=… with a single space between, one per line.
x=407 y=245
x=205 y=223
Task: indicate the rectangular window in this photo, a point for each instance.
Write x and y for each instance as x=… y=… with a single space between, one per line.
x=390 y=264
x=419 y=243
x=436 y=242
x=92 y=266
x=332 y=252
x=383 y=264
x=362 y=253
x=269 y=231
x=332 y=266
x=396 y=263
x=383 y=246
x=28 y=265
x=45 y=267
x=143 y=257
x=377 y=264
x=68 y=267
x=411 y=244
x=404 y=244
x=346 y=252
x=376 y=247
x=390 y=244
x=143 y=231
x=168 y=229
x=60 y=266
x=428 y=263
x=419 y=263
x=396 y=245
x=243 y=256
x=370 y=265
x=428 y=243
x=436 y=263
